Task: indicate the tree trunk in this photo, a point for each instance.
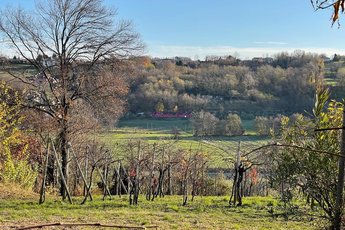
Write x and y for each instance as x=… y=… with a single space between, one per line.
x=339 y=209
x=64 y=160
x=185 y=192
x=105 y=175
x=241 y=171
x=233 y=190
x=160 y=190
x=150 y=188
x=169 y=190
x=185 y=187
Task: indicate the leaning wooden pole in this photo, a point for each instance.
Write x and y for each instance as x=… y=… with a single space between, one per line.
x=86 y=171
x=337 y=222
x=61 y=173
x=151 y=175
x=88 y=192
x=100 y=173
x=169 y=192
x=137 y=179
x=45 y=169
x=120 y=181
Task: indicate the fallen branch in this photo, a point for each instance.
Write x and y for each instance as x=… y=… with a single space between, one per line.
x=86 y=224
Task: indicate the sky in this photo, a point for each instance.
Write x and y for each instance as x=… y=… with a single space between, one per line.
x=245 y=29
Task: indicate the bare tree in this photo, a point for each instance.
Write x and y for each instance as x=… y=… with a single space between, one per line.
x=76 y=49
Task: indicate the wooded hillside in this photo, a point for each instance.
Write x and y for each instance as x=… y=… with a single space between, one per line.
x=262 y=86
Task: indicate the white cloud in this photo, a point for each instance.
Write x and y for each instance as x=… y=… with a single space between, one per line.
x=270 y=43
x=268 y=49
x=243 y=53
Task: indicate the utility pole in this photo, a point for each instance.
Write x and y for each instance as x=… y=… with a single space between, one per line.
x=340 y=186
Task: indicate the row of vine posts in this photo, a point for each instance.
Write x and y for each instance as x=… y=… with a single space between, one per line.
x=154 y=170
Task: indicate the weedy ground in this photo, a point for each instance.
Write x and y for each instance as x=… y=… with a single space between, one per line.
x=22 y=209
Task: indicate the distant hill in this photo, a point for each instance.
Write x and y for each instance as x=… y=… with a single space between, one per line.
x=284 y=84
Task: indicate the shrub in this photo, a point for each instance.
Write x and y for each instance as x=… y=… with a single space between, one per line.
x=234 y=125
x=14 y=166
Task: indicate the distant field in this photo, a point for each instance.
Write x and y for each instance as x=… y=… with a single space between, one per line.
x=4 y=76
x=16 y=69
x=330 y=81
x=219 y=148
x=248 y=126
x=166 y=124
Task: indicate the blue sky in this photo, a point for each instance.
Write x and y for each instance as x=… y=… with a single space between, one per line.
x=196 y=28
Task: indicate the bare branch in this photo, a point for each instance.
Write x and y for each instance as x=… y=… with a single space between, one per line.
x=291 y=146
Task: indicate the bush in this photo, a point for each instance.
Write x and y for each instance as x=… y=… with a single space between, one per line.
x=234 y=125
x=218 y=186
x=204 y=123
x=18 y=172
x=262 y=125
x=14 y=165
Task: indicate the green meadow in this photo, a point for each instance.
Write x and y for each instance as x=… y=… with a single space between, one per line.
x=166 y=213
x=180 y=133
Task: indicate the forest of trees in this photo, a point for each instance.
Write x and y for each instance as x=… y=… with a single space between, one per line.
x=286 y=85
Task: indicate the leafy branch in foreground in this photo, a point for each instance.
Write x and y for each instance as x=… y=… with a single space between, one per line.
x=338 y=7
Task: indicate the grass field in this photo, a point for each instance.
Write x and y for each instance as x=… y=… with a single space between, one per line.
x=18 y=69
x=166 y=124
x=159 y=130
x=166 y=213
x=330 y=81
x=18 y=208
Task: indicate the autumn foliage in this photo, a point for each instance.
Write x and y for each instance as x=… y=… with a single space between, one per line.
x=14 y=143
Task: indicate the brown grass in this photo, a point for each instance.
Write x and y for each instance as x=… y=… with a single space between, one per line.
x=12 y=191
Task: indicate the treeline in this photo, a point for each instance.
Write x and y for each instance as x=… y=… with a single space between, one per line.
x=284 y=84
x=206 y=124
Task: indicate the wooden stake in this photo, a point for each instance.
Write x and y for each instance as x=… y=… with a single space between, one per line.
x=88 y=193
x=61 y=174
x=150 y=187
x=45 y=169
x=100 y=173
x=86 y=171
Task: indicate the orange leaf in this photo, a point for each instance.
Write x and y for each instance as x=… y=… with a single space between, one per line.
x=336 y=6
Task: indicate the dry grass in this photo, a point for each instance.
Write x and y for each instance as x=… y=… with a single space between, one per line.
x=12 y=191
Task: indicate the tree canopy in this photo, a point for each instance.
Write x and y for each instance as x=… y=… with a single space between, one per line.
x=74 y=48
